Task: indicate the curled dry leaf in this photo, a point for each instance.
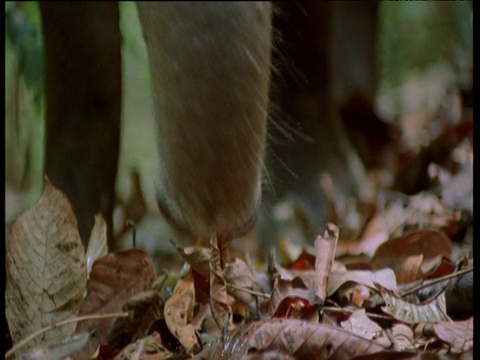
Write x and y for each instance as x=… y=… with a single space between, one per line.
x=325 y=247
x=179 y=313
x=113 y=280
x=219 y=300
x=46 y=270
x=408 y=312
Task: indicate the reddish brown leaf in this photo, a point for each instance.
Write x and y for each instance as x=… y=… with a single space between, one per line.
x=113 y=280
x=410 y=270
x=428 y=243
x=144 y=308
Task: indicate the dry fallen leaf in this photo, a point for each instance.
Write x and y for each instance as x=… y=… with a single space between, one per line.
x=303 y=340
x=179 y=313
x=144 y=308
x=219 y=299
x=410 y=313
x=46 y=270
x=113 y=280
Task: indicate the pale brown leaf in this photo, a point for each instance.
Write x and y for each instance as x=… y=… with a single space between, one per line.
x=403 y=338
x=385 y=277
x=58 y=349
x=197 y=257
x=148 y=348
x=325 y=247
x=458 y=334
x=241 y=279
x=410 y=270
x=219 y=300
x=97 y=244
x=46 y=270
x=360 y=324
x=179 y=313
x=113 y=280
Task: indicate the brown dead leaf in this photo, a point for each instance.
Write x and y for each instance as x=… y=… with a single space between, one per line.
x=147 y=348
x=113 y=280
x=385 y=277
x=410 y=270
x=240 y=280
x=301 y=339
x=144 y=309
x=46 y=270
x=325 y=247
x=429 y=243
x=290 y=298
x=219 y=299
x=179 y=313
x=198 y=258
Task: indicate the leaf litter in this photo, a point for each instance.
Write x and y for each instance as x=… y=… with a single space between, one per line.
x=395 y=281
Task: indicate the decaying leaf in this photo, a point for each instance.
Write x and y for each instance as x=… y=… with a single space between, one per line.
x=144 y=309
x=113 y=280
x=46 y=270
x=179 y=313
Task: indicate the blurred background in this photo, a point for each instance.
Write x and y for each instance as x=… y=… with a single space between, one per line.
x=424 y=65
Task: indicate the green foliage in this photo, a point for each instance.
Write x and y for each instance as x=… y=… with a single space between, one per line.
x=23 y=35
x=415 y=35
